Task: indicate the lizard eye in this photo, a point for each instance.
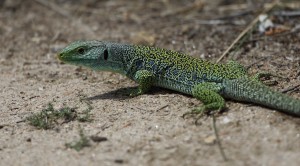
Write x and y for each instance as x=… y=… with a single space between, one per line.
x=80 y=50
x=105 y=54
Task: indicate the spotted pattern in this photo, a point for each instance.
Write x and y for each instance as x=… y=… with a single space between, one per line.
x=178 y=71
x=204 y=80
x=250 y=90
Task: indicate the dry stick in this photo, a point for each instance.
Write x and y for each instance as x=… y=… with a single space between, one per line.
x=65 y=13
x=288 y=13
x=226 y=8
x=245 y=31
x=218 y=138
x=165 y=106
x=53 y=7
x=196 y=5
x=292 y=5
x=290 y=88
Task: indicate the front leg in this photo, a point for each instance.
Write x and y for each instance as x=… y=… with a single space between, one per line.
x=145 y=80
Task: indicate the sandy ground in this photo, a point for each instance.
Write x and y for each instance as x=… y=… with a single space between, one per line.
x=148 y=129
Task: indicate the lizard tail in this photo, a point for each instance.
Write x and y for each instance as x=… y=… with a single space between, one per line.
x=250 y=90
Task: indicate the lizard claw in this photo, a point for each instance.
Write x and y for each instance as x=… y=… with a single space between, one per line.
x=199 y=113
x=134 y=92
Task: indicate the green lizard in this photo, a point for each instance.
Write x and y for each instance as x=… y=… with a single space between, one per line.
x=206 y=81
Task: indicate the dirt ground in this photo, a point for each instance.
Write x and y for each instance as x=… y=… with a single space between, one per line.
x=148 y=129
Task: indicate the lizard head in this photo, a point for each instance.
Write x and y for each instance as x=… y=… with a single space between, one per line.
x=82 y=52
x=97 y=55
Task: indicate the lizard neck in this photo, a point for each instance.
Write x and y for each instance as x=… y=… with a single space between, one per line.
x=120 y=55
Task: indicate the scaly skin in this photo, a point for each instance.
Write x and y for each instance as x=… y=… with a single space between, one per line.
x=206 y=81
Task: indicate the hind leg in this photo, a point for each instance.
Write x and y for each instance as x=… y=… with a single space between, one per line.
x=207 y=92
x=257 y=77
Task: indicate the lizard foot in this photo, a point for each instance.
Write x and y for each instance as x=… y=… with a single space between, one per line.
x=135 y=92
x=198 y=113
x=202 y=111
x=267 y=76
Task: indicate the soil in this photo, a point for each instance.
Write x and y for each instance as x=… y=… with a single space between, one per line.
x=148 y=129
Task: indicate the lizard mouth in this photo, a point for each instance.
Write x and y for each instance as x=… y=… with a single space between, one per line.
x=75 y=61
x=67 y=59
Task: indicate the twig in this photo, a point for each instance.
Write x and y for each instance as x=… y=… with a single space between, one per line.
x=54 y=7
x=292 y=5
x=218 y=138
x=3 y=125
x=225 y=8
x=256 y=62
x=196 y=5
x=248 y=28
x=287 y=13
x=165 y=106
x=65 y=13
x=217 y=22
x=237 y=14
x=290 y=88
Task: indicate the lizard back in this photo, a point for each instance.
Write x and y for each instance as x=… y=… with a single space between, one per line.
x=177 y=71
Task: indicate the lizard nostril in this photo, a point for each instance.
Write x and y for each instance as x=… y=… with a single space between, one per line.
x=59 y=56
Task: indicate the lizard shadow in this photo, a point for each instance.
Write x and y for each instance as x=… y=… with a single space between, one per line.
x=123 y=94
